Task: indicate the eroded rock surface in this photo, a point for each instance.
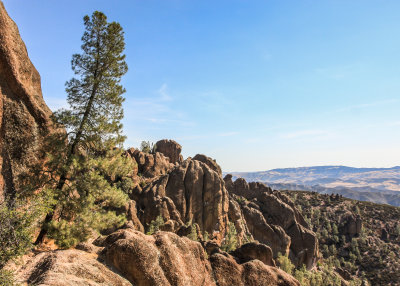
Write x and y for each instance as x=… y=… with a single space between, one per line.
x=171 y=149
x=190 y=193
x=149 y=165
x=167 y=259
x=24 y=116
x=67 y=268
x=273 y=220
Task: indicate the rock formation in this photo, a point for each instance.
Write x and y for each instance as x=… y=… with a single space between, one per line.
x=170 y=149
x=24 y=116
x=167 y=259
x=67 y=267
x=190 y=193
x=272 y=219
x=149 y=165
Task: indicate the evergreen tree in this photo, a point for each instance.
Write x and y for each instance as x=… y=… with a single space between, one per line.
x=81 y=189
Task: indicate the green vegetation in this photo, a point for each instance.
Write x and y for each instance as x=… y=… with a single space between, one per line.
x=155 y=225
x=16 y=229
x=148 y=147
x=284 y=263
x=230 y=242
x=324 y=275
x=6 y=278
x=364 y=255
x=193 y=233
x=85 y=179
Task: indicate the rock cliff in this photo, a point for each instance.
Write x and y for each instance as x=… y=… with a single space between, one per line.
x=24 y=116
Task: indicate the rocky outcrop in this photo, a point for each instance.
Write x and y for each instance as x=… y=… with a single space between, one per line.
x=170 y=149
x=24 y=116
x=254 y=250
x=161 y=259
x=209 y=162
x=67 y=267
x=273 y=220
x=190 y=193
x=149 y=165
x=167 y=259
x=228 y=272
x=351 y=225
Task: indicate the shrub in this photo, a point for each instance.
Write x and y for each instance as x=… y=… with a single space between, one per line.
x=147 y=147
x=284 y=263
x=6 y=278
x=230 y=242
x=155 y=225
x=15 y=233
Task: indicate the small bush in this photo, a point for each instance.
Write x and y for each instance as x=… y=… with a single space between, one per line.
x=230 y=242
x=284 y=263
x=15 y=233
x=6 y=278
x=155 y=225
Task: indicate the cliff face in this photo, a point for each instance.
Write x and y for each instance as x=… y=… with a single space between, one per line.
x=24 y=116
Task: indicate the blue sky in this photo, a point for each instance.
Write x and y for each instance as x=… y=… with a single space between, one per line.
x=254 y=84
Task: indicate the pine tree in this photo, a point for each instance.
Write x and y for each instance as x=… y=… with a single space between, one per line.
x=84 y=195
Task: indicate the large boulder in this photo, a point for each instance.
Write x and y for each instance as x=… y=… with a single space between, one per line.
x=24 y=116
x=228 y=272
x=167 y=259
x=254 y=250
x=149 y=165
x=162 y=259
x=171 y=149
x=66 y=268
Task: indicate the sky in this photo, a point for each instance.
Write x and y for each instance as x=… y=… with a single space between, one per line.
x=256 y=85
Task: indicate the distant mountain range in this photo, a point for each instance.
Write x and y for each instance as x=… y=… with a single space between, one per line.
x=379 y=185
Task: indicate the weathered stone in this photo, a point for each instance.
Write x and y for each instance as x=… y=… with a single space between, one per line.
x=170 y=149
x=254 y=250
x=150 y=165
x=209 y=162
x=162 y=259
x=24 y=116
x=273 y=220
x=68 y=267
x=191 y=192
x=132 y=216
x=253 y=273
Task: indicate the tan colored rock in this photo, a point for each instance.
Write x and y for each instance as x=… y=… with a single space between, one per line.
x=273 y=220
x=24 y=116
x=150 y=165
x=236 y=216
x=253 y=273
x=209 y=162
x=190 y=193
x=167 y=259
x=132 y=216
x=272 y=235
x=67 y=268
x=162 y=259
x=254 y=250
x=170 y=149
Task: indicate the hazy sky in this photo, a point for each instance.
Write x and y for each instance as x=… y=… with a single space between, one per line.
x=254 y=84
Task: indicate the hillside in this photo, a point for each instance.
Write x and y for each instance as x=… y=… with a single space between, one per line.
x=360 y=238
x=379 y=185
